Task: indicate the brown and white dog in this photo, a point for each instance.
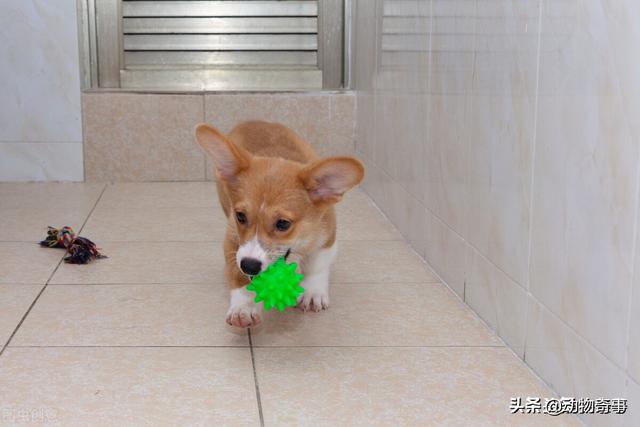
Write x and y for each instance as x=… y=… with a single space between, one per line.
x=278 y=196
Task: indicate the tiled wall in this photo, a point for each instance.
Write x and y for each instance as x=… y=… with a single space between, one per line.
x=40 y=126
x=149 y=137
x=502 y=137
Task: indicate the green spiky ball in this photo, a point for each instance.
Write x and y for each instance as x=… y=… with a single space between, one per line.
x=278 y=286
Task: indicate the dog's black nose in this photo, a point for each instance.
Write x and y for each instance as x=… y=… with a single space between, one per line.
x=250 y=266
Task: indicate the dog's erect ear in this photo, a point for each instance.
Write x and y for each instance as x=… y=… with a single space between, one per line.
x=328 y=179
x=228 y=159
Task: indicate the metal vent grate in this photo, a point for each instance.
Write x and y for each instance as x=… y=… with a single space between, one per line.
x=216 y=45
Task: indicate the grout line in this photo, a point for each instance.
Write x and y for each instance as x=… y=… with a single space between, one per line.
x=15 y=330
x=634 y=271
x=214 y=286
x=532 y=181
x=436 y=216
x=255 y=378
x=49 y=279
x=204 y=241
x=129 y=346
x=439 y=279
x=583 y=340
x=462 y=299
x=634 y=255
x=83 y=105
x=204 y=120
x=380 y=346
x=93 y=209
x=333 y=284
x=443 y=282
x=259 y=93
x=354 y=129
x=547 y=383
x=39 y=142
x=13 y=283
x=529 y=294
x=260 y=346
x=403 y=240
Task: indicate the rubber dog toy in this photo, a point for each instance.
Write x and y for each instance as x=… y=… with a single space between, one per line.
x=277 y=286
x=81 y=250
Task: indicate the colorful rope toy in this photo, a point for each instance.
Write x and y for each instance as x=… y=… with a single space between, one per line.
x=278 y=286
x=81 y=250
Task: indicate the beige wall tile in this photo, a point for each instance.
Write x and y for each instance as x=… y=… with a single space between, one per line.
x=130 y=315
x=633 y=350
x=411 y=152
x=322 y=119
x=633 y=394
x=493 y=173
x=499 y=191
x=624 y=32
x=293 y=110
x=41 y=161
x=498 y=300
x=41 y=83
x=401 y=208
x=569 y=364
x=583 y=217
x=342 y=108
x=107 y=386
x=586 y=169
x=452 y=46
x=414 y=315
x=576 y=55
x=142 y=137
x=365 y=48
x=400 y=125
x=409 y=214
x=365 y=131
x=506 y=48
x=389 y=122
x=444 y=159
x=375 y=183
x=446 y=252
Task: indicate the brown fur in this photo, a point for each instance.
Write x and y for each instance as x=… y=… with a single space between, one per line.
x=268 y=172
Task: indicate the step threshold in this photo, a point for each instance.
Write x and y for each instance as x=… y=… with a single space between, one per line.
x=222 y=79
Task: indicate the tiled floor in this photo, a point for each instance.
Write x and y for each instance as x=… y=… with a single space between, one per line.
x=140 y=338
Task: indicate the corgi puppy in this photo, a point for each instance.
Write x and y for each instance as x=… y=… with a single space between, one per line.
x=278 y=196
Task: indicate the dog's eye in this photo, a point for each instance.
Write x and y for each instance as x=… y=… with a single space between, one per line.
x=283 y=225
x=241 y=217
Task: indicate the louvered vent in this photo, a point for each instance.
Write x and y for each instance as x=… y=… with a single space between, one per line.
x=217 y=45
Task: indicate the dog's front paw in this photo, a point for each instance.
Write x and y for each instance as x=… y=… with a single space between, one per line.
x=244 y=316
x=243 y=311
x=313 y=301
